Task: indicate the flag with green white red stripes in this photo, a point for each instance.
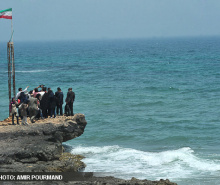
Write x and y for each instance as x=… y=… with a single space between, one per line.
x=6 y=14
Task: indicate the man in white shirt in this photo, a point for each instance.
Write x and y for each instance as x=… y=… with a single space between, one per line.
x=20 y=90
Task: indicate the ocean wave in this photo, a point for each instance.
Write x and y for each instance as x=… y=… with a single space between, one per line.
x=126 y=162
x=31 y=71
x=161 y=88
x=150 y=103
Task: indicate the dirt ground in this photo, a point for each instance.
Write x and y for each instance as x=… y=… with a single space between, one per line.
x=6 y=124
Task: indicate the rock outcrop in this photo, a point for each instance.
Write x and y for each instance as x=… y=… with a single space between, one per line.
x=38 y=147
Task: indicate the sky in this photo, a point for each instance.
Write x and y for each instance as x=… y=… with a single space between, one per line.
x=43 y=20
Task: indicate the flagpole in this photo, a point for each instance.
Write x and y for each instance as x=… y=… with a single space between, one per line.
x=11 y=31
x=7 y=14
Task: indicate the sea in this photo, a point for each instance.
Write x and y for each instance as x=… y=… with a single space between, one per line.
x=152 y=105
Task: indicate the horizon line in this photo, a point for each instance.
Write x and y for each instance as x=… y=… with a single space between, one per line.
x=118 y=39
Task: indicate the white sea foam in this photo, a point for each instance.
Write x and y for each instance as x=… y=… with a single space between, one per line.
x=127 y=163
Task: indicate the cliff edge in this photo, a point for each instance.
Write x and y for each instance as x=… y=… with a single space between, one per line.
x=38 y=147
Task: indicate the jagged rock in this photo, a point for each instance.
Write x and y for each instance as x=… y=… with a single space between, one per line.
x=24 y=148
x=99 y=181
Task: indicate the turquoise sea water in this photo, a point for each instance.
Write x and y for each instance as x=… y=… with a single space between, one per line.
x=152 y=106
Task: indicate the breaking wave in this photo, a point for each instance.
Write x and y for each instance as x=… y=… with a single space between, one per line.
x=127 y=163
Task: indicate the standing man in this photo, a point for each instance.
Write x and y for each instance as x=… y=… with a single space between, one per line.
x=44 y=103
x=20 y=90
x=18 y=96
x=32 y=108
x=59 y=101
x=23 y=112
x=52 y=103
x=69 y=101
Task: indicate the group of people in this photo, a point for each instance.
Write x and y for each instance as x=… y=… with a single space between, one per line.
x=42 y=104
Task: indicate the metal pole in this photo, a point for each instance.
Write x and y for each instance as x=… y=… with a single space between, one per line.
x=13 y=67
x=9 y=72
x=11 y=31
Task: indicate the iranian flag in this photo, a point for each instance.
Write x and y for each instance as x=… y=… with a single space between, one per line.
x=6 y=14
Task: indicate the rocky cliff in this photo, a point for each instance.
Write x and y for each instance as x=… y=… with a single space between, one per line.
x=38 y=148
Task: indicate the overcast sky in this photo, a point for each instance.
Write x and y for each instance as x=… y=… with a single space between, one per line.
x=109 y=19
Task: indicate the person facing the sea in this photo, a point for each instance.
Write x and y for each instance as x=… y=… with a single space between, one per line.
x=32 y=108
x=44 y=103
x=39 y=113
x=22 y=96
x=35 y=92
x=23 y=111
x=70 y=98
x=59 y=97
x=20 y=90
x=13 y=110
x=52 y=103
x=42 y=92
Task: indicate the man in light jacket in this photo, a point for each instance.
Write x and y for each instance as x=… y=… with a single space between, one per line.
x=32 y=108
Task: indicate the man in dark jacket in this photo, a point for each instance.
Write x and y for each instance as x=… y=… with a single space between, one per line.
x=52 y=103
x=59 y=100
x=44 y=103
x=69 y=101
